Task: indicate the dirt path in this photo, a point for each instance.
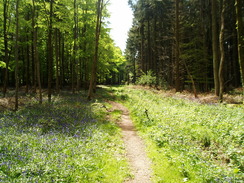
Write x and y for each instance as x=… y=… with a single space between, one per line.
x=135 y=148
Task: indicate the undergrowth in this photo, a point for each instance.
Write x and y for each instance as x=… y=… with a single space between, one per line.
x=187 y=141
x=66 y=141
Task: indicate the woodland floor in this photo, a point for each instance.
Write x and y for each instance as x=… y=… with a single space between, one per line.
x=232 y=98
x=134 y=146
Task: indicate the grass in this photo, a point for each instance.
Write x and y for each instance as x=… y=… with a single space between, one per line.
x=187 y=141
x=73 y=140
x=69 y=140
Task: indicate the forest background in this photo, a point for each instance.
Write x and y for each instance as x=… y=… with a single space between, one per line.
x=194 y=45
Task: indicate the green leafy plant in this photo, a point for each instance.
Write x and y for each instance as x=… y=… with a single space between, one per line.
x=187 y=141
x=147 y=79
x=69 y=140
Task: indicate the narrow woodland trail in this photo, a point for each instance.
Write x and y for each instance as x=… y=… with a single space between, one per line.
x=135 y=148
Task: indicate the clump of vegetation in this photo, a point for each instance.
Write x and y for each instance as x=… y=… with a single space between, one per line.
x=187 y=141
x=148 y=79
x=66 y=141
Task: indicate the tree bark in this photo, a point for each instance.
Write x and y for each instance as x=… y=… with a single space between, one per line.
x=57 y=59
x=204 y=24
x=240 y=38
x=6 y=51
x=192 y=80
x=215 y=47
x=177 y=46
x=95 y=60
x=36 y=53
x=142 y=48
x=50 y=52
x=17 y=57
x=75 y=48
x=27 y=64
x=222 y=53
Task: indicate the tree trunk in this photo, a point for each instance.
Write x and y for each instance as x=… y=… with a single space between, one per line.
x=240 y=36
x=95 y=60
x=149 y=47
x=222 y=53
x=17 y=57
x=192 y=80
x=33 y=65
x=6 y=52
x=27 y=68
x=204 y=24
x=177 y=46
x=62 y=62
x=57 y=59
x=50 y=52
x=215 y=47
x=142 y=48
x=75 y=48
x=134 y=70
x=36 y=53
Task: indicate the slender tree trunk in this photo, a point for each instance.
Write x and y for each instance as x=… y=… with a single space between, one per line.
x=75 y=48
x=62 y=62
x=17 y=57
x=6 y=51
x=155 y=51
x=134 y=69
x=192 y=80
x=50 y=52
x=143 y=63
x=33 y=65
x=95 y=60
x=149 y=47
x=215 y=47
x=240 y=36
x=36 y=53
x=222 y=53
x=27 y=74
x=57 y=60
x=177 y=46
x=204 y=17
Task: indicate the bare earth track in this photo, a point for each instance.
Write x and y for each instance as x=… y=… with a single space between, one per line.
x=135 y=148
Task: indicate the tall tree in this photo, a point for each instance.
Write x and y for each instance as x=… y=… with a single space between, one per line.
x=50 y=51
x=95 y=60
x=36 y=52
x=215 y=47
x=17 y=57
x=75 y=48
x=222 y=51
x=240 y=37
x=6 y=51
x=177 y=46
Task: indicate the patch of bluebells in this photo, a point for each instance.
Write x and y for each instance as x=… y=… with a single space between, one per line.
x=51 y=117
x=50 y=142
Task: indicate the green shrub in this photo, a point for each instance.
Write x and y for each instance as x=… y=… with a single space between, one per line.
x=148 y=79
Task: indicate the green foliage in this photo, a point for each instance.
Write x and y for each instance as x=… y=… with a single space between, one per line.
x=151 y=43
x=110 y=57
x=189 y=142
x=147 y=79
x=2 y=64
x=67 y=141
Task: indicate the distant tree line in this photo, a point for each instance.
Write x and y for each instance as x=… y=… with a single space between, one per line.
x=188 y=44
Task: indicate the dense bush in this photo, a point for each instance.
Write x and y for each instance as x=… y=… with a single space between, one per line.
x=148 y=79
